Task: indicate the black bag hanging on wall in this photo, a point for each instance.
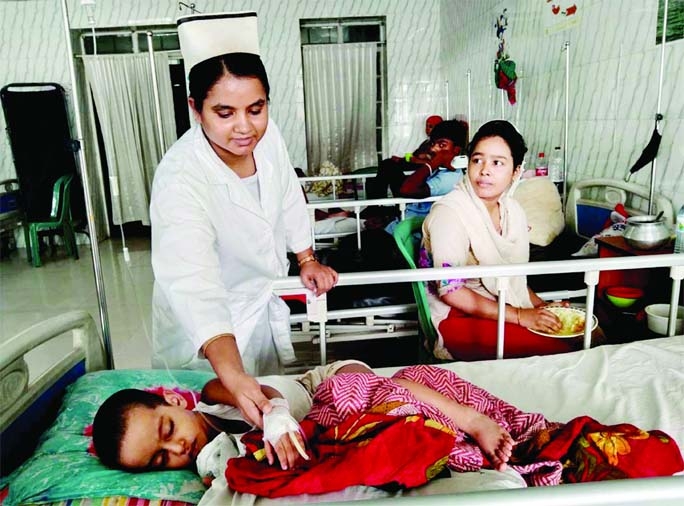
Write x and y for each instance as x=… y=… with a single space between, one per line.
x=42 y=146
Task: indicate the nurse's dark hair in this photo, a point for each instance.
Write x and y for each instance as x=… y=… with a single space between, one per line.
x=112 y=420
x=505 y=130
x=204 y=75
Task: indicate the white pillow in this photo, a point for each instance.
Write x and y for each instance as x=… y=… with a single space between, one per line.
x=541 y=201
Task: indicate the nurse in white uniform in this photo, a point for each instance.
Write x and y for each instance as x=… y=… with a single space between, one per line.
x=226 y=206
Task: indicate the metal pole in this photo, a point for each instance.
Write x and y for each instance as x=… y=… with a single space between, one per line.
x=566 y=120
x=470 y=119
x=677 y=274
x=94 y=245
x=591 y=279
x=155 y=92
x=501 y=287
x=659 y=116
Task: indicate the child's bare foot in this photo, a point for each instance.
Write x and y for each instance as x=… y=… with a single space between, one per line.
x=495 y=442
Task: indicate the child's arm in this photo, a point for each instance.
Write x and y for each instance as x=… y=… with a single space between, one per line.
x=281 y=431
x=283 y=434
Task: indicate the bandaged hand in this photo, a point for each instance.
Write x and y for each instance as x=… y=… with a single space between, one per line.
x=282 y=433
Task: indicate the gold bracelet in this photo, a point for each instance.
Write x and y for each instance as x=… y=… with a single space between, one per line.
x=206 y=344
x=307 y=258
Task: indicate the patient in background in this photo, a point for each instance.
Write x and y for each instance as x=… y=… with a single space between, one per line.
x=432 y=177
x=391 y=171
x=140 y=431
x=422 y=152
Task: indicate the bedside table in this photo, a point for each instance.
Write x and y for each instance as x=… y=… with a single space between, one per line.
x=625 y=325
x=616 y=246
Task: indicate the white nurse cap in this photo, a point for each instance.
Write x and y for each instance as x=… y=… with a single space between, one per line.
x=204 y=36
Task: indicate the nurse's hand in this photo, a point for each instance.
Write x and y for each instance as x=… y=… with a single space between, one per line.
x=249 y=399
x=241 y=389
x=317 y=277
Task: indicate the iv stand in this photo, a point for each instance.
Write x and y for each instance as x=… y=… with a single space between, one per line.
x=566 y=119
x=658 y=115
x=92 y=231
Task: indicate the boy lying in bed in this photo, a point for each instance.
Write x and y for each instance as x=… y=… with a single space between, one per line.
x=137 y=430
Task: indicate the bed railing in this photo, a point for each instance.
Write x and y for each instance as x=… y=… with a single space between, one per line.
x=358 y=180
x=606 y=193
x=317 y=307
x=662 y=491
x=357 y=206
x=31 y=388
x=22 y=383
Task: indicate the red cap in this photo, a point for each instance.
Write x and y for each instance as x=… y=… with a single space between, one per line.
x=433 y=120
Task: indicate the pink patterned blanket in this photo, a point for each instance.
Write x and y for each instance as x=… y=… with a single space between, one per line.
x=350 y=394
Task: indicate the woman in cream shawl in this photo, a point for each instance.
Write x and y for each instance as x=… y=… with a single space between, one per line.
x=478 y=223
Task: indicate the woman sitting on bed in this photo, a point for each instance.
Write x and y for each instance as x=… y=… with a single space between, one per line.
x=139 y=431
x=478 y=223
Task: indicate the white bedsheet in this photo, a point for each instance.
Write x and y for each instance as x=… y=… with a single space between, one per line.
x=641 y=383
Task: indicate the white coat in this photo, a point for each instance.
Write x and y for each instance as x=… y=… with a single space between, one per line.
x=216 y=251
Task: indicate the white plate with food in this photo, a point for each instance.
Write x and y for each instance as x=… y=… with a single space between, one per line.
x=572 y=318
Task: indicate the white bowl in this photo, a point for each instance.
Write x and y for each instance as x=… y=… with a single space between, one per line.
x=657 y=315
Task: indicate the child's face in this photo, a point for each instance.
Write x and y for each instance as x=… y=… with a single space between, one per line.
x=166 y=437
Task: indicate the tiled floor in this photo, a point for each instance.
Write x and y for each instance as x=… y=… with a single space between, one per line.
x=29 y=295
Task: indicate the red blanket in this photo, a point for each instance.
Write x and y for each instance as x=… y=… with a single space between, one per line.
x=591 y=451
x=366 y=449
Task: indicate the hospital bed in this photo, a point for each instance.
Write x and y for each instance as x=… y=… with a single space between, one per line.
x=639 y=383
x=351 y=185
x=338 y=186
x=590 y=202
x=346 y=192
x=322 y=238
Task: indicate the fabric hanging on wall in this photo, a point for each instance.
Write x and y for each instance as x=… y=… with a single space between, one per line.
x=123 y=92
x=340 y=92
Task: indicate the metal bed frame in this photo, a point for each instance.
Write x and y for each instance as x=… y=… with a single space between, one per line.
x=357 y=206
x=317 y=307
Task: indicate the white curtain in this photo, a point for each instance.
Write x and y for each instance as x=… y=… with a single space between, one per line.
x=340 y=91
x=123 y=92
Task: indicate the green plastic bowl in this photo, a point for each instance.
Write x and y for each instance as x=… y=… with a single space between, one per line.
x=623 y=296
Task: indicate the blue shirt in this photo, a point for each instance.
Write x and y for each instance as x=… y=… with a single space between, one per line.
x=440 y=182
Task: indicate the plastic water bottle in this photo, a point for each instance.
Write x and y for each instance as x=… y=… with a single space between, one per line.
x=556 y=169
x=679 y=232
x=541 y=168
x=556 y=165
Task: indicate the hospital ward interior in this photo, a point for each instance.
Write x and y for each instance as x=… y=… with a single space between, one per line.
x=113 y=278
